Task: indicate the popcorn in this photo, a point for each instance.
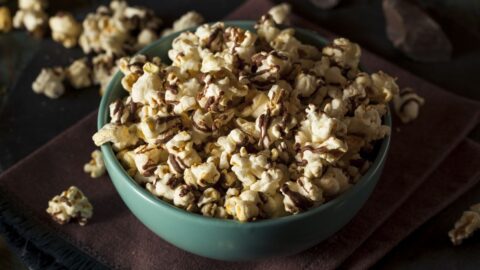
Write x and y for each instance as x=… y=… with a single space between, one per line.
x=111 y=29
x=70 y=205
x=95 y=167
x=384 y=87
x=32 y=20
x=344 y=53
x=65 y=29
x=187 y=20
x=5 y=20
x=243 y=207
x=50 y=82
x=333 y=182
x=248 y=167
x=407 y=105
x=103 y=70
x=244 y=125
x=182 y=155
x=184 y=198
x=36 y=5
x=121 y=136
x=367 y=123
x=280 y=13
x=165 y=184
x=79 y=74
x=146 y=158
x=205 y=174
x=468 y=223
x=300 y=195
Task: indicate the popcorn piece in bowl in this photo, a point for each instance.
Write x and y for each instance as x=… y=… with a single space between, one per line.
x=65 y=29
x=95 y=167
x=407 y=105
x=79 y=74
x=248 y=125
x=5 y=20
x=71 y=204
x=50 y=82
x=468 y=223
x=121 y=136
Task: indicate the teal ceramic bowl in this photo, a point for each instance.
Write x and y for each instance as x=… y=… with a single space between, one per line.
x=228 y=239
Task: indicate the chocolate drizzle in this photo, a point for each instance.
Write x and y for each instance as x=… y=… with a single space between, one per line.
x=300 y=201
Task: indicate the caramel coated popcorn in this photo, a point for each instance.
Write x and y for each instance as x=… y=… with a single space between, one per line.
x=248 y=125
x=95 y=167
x=70 y=205
x=5 y=20
x=468 y=223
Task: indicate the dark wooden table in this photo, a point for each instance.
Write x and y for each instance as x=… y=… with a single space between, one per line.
x=26 y=124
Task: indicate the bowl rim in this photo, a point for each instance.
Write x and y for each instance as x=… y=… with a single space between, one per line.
x=111 y=159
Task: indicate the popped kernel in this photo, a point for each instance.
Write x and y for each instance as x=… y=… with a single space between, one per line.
x=79 y=74
x=407 y=105
x=468 y=223
x=5 y=20
x=95 y=167
x=71 y=204
x=50 y=82
x=65 y=29
x=187 y=20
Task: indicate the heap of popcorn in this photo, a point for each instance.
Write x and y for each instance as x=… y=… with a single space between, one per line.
x=248 y=125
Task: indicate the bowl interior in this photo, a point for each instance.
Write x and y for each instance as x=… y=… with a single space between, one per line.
x=160 y=48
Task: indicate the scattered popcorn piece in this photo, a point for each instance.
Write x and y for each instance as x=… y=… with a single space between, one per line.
x=187 y=20
x=70 y=205
x=95 y=167
x=50 y=82
x=36 y=5
x=34 y=21
x=65 y=29
x=118 y=29
x=407 y=105
x=120 y=136
x=468 y=223
x=79 y=74
x=280 y=13
x=5 y=20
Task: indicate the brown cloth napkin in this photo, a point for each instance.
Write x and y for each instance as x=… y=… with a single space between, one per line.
x=429 y=165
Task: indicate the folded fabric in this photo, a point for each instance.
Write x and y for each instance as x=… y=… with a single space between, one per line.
x=118 y=240
x=458 y=173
